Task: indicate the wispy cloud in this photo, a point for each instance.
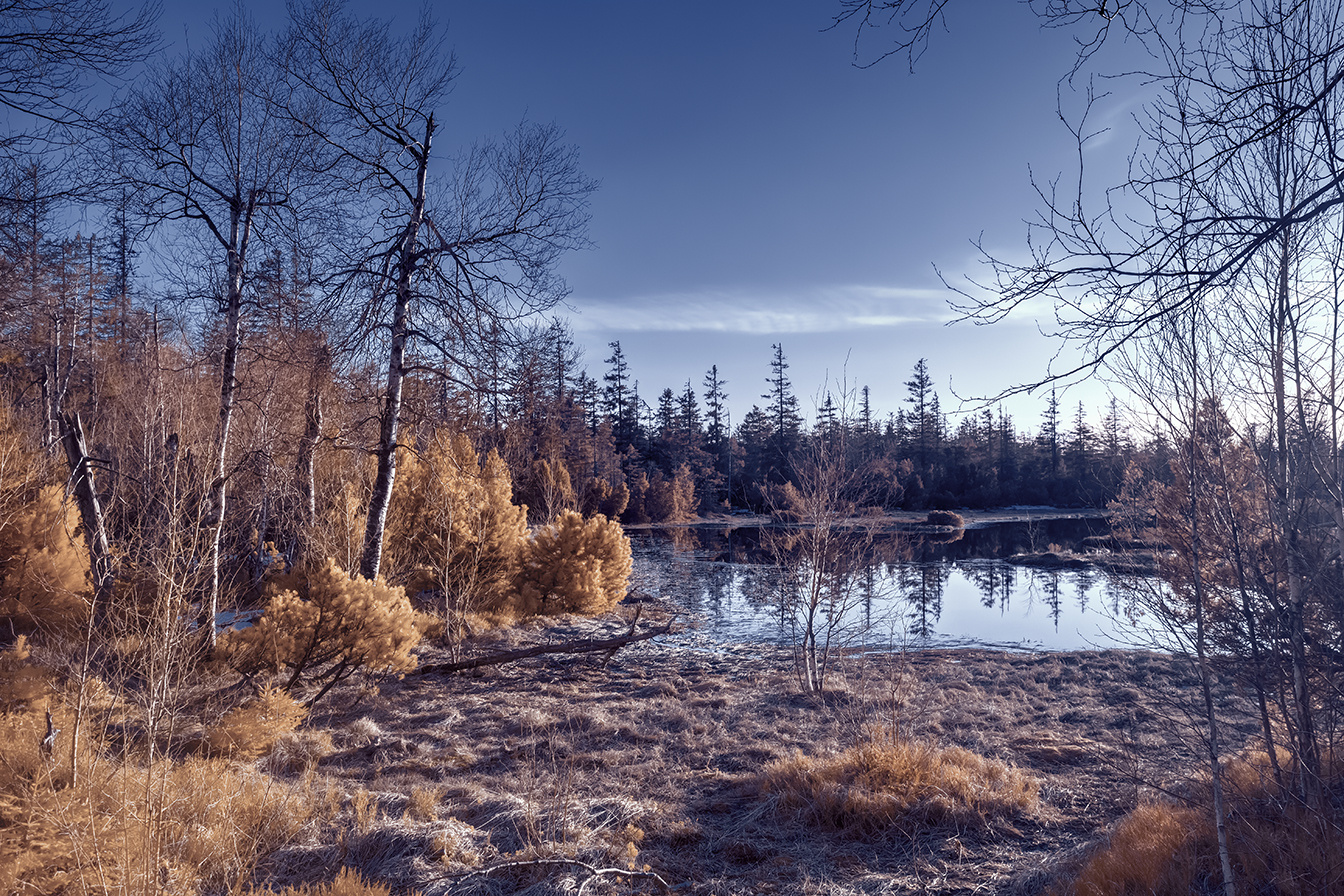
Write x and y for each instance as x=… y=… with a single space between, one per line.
x=811 y=310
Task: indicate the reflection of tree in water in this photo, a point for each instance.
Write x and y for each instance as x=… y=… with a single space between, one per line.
x=1083 y=580
x=1048 y=581
x=922 y=585
x=890 y=589
x=993 y=580
x=868 y=589
x=683 y=538
x=719 y=588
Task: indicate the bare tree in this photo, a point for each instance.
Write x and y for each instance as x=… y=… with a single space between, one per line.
x=50 y=51
x=201 y=143
x=823 y=549
x=1211 y=267
x=445 y=261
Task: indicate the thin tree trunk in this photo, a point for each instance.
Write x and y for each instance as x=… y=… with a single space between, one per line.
x=1201 y=652
x=90 y=510
x=239 y=233
x=100 y=563
x=304 y=475
x=407 y=261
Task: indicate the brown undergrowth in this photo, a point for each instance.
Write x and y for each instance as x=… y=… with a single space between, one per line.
x=1167 y=848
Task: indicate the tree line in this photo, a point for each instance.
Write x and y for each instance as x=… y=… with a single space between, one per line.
x=679 y=454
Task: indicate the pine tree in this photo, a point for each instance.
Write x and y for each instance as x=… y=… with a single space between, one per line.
x=1049 y=437
x=620 y=401
x=784 y=417
x=924 y=417
x=715 y=409
x=688 y=417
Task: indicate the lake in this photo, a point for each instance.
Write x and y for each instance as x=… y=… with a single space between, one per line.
x=916 y=589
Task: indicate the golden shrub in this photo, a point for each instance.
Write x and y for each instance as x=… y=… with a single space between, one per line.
x=452 y=517
x=20 y=681
x=1151 y=850
x=546 y=489
x=252 y=730
x=670 y=500
x=599 y=496
x=1276 y=844
x=575 y=566
x=338 y=625
x=44 y=567
x=900 y=784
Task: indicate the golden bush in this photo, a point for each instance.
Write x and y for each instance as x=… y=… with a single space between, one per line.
x=21 y=682
x=900 y=784
x=44 y=567
x=327 y=629
x=670 y=500
x=599 y=496
x=1151 y=850
x=253 y=729
x=1276 y=844
x=453 y=520
x=546 y=489
x=575 y=566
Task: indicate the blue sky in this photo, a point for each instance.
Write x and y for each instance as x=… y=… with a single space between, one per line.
x=758 y=188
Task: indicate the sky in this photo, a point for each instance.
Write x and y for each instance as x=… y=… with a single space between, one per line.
x=758 y=188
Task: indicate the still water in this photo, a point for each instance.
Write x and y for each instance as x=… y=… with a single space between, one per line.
x=915 y=590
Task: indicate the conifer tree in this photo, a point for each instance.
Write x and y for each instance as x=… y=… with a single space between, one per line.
x=716 y=436
x=786 y=422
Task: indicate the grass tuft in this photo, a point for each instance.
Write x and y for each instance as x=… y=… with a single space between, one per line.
x=1151 y=850
x=900 y=784
x=945 y=518
x=347 y=883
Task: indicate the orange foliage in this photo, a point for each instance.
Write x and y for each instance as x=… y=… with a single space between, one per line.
x=44 y=566
x=575 y=566
x=453 y=520
x=333 y=623
x=253 y=729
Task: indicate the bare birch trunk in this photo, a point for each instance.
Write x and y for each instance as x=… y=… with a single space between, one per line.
x=407 y=261
x=239 y=233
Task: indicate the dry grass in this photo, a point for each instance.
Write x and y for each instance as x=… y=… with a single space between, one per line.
x=1276 y=844
x=1151 y=851
x=347 y=883
x=200 y=825
x=254 y=728
x=902 y=785
x=654 y=757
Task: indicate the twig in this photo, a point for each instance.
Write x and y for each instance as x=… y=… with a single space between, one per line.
x=594 y=872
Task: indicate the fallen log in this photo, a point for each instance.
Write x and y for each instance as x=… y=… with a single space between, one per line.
x=587 y=645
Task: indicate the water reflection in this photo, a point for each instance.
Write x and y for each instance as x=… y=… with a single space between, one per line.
x=924 y=592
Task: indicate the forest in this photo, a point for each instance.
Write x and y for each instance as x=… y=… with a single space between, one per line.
x=276 y=522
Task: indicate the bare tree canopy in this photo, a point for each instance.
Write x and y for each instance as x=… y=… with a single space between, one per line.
x=50 y=51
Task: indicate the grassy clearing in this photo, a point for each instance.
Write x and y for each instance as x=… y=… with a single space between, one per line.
x=654 y=759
